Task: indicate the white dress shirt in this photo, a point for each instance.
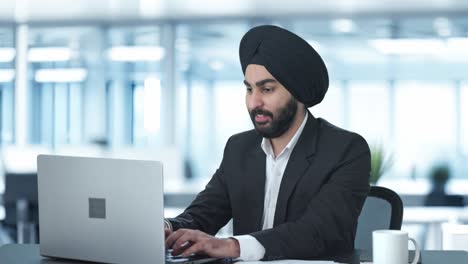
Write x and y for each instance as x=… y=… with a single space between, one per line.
x=250 y=248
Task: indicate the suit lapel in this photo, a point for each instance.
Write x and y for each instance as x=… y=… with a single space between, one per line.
x=298 y=163
x=256 y=185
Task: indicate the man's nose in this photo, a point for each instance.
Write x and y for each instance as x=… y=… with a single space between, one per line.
x=255 y=100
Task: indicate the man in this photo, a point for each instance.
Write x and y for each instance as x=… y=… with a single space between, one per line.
x=295 y=185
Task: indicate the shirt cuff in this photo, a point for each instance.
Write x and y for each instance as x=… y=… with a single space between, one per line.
x=168 y=224
x=250 y=248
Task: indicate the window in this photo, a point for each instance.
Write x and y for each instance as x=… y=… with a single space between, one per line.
x=146 y=111
x=61 y=80
x=7 y=79
x=179 y=84
x=231 y=114
x=369 y=111
x=425 y=124
x=464 y=119
x=136 y=90
x=332 y=108
x=201 y=144
x=6 y=112
x=210 y=104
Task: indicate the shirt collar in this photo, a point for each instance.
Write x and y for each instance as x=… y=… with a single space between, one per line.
x=268 y=149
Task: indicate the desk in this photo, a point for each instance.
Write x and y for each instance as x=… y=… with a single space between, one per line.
x=29 y=254
x=432 y=218
x=434 y=214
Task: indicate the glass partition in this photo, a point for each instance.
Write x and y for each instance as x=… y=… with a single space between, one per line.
x=425 y=125
x=136 y=85
x=210 y=92
x=396 y=80
x=62 y=63
x=7 y=80
x=463 y=118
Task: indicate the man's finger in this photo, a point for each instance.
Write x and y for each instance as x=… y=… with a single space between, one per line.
x=180 y=250
x=195 y=248
x=167 y=232
x=174 y=236
x=184 y=241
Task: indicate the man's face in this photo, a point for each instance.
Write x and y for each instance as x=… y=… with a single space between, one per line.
x=271 y=107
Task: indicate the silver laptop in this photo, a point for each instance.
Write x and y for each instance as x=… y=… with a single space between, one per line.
x=99 y=209
x=103 y=210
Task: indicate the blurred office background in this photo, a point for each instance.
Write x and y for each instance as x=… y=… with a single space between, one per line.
x=160 y=79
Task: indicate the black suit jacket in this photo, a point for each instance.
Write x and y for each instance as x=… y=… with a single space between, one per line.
x=321 y=194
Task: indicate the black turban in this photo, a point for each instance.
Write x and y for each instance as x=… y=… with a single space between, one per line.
x=289 y=58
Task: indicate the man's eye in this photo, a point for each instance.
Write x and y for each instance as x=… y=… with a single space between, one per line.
x=248 y=89
x=267 y=90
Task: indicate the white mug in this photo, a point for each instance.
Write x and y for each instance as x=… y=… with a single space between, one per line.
x=391 y=247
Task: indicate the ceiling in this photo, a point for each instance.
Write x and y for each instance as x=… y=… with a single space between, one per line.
x=203 y=39
x=115 y=10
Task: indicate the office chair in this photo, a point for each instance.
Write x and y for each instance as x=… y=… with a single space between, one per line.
x=383 y=209
x=21 y=206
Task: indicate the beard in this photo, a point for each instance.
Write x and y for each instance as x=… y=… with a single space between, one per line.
x=279 y=124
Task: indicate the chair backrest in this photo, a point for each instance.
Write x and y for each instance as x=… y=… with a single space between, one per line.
x=383 y=209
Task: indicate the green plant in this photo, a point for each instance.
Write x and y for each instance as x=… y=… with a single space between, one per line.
x=380 y=162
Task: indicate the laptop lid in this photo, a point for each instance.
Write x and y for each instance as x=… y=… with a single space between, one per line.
x=101 y=209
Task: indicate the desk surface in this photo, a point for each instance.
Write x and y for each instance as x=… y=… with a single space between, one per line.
x=29 y=254
x=434 y=214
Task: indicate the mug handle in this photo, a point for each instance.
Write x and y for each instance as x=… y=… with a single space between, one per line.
x=416 y=251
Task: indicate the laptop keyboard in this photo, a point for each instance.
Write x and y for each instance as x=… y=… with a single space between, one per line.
x=195 y=258
x=169 y=256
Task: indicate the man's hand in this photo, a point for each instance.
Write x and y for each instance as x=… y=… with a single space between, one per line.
x=167 y=232
x=167 y=228
x=186 y=242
